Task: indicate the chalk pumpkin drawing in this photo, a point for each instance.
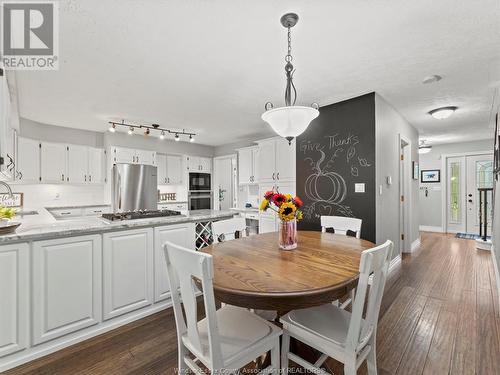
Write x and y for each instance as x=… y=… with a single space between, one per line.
x=326 y=190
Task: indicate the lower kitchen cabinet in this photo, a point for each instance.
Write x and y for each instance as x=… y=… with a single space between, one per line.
x=127 y=271
x=66 y=286
x=14 y=298
x=181 y=234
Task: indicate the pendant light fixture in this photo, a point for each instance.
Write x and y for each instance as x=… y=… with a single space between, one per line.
x=291 y=120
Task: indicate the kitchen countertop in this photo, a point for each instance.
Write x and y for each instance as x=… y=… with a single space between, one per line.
x=94 y=225
x=74 y=207
x=172 y=202
x=245 y=209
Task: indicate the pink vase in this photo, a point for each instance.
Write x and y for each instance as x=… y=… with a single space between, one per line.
x=288 y=234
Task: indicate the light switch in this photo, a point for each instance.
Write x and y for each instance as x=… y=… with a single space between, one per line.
x=359 y=188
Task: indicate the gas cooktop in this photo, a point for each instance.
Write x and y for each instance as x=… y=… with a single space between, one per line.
x=141 y=214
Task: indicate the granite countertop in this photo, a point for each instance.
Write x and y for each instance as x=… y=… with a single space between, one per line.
x=94 y=225
x=76 y=207
x=245 y=209
x=172 y=202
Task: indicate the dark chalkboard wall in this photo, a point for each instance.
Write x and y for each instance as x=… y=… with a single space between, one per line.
x=336 y=152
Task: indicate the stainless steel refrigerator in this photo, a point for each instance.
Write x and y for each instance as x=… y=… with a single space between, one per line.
x=134 y=187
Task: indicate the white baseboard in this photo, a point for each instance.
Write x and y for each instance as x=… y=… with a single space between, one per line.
x=497 y=272
x=395 y=264
x=428 y=228
x=415 y=244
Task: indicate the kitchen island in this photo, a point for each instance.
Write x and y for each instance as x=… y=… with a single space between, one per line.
x=62 y=282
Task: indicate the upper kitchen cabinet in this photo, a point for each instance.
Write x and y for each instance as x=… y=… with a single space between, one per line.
x=96 y=165
x=169 y=169
x=276 y=160
x=199 y=164
x=133 y=156
x=53 y=163
x=8 y=128
x=28 y=160
x=78 y=164
x=174 y=169
x=161 y=164
x=247 y=165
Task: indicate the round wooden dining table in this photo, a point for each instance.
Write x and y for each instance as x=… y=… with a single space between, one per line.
x=253 y=272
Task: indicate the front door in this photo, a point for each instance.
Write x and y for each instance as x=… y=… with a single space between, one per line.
x=479 y=175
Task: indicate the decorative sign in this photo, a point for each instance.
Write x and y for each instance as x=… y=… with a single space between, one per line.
x=7 y=201
x=430 y=175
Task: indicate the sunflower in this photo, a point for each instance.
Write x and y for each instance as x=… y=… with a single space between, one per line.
x=288 y=197
x=264 y=205
x=287 y=211
x=279 y=199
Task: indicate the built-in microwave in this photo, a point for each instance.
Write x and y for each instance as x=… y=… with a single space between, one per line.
x=199 y=182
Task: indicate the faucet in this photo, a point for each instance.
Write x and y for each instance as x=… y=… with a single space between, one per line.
x=9 y=190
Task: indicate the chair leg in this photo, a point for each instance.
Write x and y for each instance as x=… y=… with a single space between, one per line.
x=275 y=358
x=183 y=367
x=285 y=347
x=371 y=361
x=349 y=369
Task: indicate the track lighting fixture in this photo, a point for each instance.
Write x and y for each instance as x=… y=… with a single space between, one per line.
x=150 y=129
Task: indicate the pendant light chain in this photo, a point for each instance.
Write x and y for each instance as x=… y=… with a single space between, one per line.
x=288 y=57
x=289 y=74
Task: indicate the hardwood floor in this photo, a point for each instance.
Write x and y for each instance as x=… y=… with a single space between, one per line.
x=439 y=315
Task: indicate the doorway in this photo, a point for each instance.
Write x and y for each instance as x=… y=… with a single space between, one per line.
x=225 y=182
x=465 y=174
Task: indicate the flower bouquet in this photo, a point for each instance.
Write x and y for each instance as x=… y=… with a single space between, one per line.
x=288 y=210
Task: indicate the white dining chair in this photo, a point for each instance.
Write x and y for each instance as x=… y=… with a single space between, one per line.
x=337 y=333
x=341 y=225
x=225 y=230
x=347 y=226
x=226 y=339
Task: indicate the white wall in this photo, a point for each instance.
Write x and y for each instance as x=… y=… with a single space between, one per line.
x=389 y=124
x=430 y=206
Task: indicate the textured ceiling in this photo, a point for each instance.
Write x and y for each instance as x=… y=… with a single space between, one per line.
x=209 y=66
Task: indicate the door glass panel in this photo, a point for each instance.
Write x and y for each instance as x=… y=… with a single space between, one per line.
x=455 y=203
x=484 y=179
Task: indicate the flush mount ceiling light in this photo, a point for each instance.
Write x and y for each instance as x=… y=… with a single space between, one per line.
x=291 y=120
x=443 y=112
x=149 y=129
x=423 y=148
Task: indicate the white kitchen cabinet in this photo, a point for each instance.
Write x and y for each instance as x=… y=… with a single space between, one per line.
x=161 y=165
x=78 y=157
x=66 y=286
x=173 y=206
x=14 y=297
x=247 y=165
x=128 y=271
x=145 y=157
x=180 y=234
x=174 y=169
x=199 y=164
x=123 y=155
x=96 y=210
x=267 y=223
x=96 y=166
x=28 y=160
x=276 y=160
x=7 y=131
x=133 y=156
x=53 y=164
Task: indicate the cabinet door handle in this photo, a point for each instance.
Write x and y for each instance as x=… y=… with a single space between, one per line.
x=278 y=176
x=273 y=177
x=20 y=175
x=65 y=213
x=85 y=178
x=168 y=179
x=90 y=178
x=62 y=177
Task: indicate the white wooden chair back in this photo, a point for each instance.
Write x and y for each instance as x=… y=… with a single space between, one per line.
x=341 y=224
x=373 y=261
x=182 y=265
x=225 y=230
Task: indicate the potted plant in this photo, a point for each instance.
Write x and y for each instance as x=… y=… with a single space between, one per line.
x=288 y=210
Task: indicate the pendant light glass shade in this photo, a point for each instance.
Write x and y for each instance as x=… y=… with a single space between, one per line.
x=291 y=121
